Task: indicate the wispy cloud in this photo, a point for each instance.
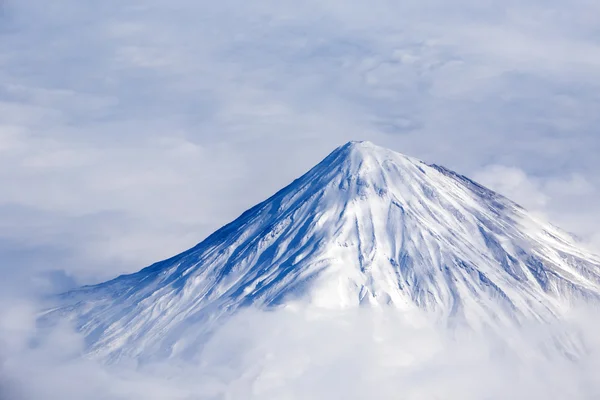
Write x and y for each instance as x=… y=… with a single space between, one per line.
x=131 y=130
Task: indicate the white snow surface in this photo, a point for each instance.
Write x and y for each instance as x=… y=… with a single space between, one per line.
x=365 y=227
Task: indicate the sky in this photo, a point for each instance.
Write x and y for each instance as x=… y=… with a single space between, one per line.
x=130 y=130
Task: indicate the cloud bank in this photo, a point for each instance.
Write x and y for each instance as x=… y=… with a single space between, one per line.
x=131 y=130
x=318 y=355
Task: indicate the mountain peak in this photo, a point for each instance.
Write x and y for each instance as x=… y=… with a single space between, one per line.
x=366 y=226
x=364 y=149
x=361 y=161
x=359 y=145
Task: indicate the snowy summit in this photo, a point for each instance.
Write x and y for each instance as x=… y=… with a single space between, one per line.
x=366 y=226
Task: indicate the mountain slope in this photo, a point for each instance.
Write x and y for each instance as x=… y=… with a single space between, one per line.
x=366 y=226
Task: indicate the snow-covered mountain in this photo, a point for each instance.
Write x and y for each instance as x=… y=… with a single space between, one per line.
x=366 y=226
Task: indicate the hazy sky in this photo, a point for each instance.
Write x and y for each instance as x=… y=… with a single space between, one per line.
x=129 y=130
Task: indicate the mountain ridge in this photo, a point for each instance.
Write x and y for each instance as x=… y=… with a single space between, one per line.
x=365 y=226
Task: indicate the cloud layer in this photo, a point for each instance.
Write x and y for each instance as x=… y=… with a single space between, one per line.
x=315 y=354
x=131 y=130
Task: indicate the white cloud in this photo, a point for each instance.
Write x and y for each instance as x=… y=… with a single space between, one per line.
x=515 y=184
x=317 y=355
x=131 y=130
x=144 y=126
x=568 y=200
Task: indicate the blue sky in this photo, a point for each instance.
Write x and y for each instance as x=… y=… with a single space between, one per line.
x=129 y=130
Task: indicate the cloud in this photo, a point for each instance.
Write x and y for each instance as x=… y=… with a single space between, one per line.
x=566 y=199
x=131 y=131
x=316 y=354
x=515 y=184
